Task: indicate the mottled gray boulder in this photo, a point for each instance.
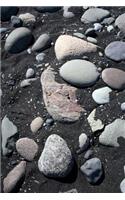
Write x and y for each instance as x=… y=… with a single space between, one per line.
x=18 y=40
x=92 y=169
x=49 y=9
x=7 y=12
x=120 y=22
x=56 y=159
x=42 y=43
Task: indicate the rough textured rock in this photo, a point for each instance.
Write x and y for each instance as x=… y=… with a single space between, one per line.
x=67 y=46
x=36 y=124
x=42 y=43
x=120 y=22
x=56 y=159
x=27 y=18
x=102 y=95
x=57 y=96
x=7 y=12
x=14 y=177
x=112 y=132
x=18 y=40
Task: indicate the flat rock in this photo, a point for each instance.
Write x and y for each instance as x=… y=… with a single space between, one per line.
x=67 y=47
x=116 y=51
x=112 y=132
x=42 y=43
x=114 y=78
x=57 y=96
x=18 y=40
x=79 y=73
x=13 y=177
x=27 y=18
x=56 y=159
x=120 y=22
x=102 y=95
x=7 y=11
x=94 y=15
x=36 y=124
x=49 y=9
x=27 y=148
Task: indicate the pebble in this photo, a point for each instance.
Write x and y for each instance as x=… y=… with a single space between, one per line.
x=92 y=169
x=30 y=73
x=74 y=190
x=92 y=40
x=27 y=148
x=27 y=18
x=67 y=46
x=91 y=32
x=110 y=28
x=83 y=142
x=66 y=13
x=18 y=40
x=13 y=177
x=36 y=124
x=120 y=22
x=49 y=9
x=40 y=57
x=49 y=122
x=112 y=132
x=123 y=106
x=88 y=154
x=79 y=35
x=56 y=160
x=97 y=27
x=16 y=21
x=108 y=21
x=42 y=43
x=122 y=186
x=7 y=12
x=80 y=73
x=102 y=95
x=94 y=15
x=114 y=78
x=116 y=51
x=27 y=82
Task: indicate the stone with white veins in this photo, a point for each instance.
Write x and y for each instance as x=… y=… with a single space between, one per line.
x=36 y=124
x=102 y=95
x=8 y=130
x=83 y=141
x=95 y=124
x=56 y=160
x=112 y=132
x=30 y=73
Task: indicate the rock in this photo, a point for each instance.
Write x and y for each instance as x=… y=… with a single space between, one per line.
x=30 y=73
x=42 y=43
x=79 y=73
x=123 y=106
x=88 y=154
x=8 y=130
x=8 y=11
x=16 y=21
x=114 y=78
x=95 y=124
x=36 y=124
x=112 y=132
x=116 y=51
x=110 y=28
x=94 y=15
x=83 y=142
x=13 y=177
x=92 y=169
x=27 y=18
x=79 y=35
x=67 y=47
x=49 y=9
x=108 y=21
x=91 y=32
x=74 y=190
x=56 y=160
x=102 y=95
x=66 y=13
x=18 y=40
x=57 y=96
x=49 y=122
x=92 y=40
x=1 y=93
x=27 y=148
x=122 y=186
x=120 y=22
x=27 y=82
x=97 y=27
x=40 y=57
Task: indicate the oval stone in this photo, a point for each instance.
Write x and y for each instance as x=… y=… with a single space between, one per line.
x=42 y=43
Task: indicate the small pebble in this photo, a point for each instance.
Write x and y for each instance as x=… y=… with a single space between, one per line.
x=30 y=73
x=97 y=27
x=83 y=141
x=88 y=154
x=36 y=124
x=40 y=57
x=110 y=28
x=93 y=40
x=123 y=106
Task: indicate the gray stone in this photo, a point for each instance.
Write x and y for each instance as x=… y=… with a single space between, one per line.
x=122 y=186
x=110 y=28
x=92 y=169
x=36 y=124
x=27 y=82
x=27 y=148
x=94 y=15
x=112 y=132
x=18 y=40
x=40 y=57
x=80 y=73
x=83 y=141
x=30 y=73
x=49 y=122
x=79 y=35
x=67 y=13
x=56 y=159
x=7 y=11
x=97 y=27
x=116 y=51
x=102 y=95
x=92 y=40
x=108 y=21
x=16 y=21
x=120 y=22
x=42 y=43
x=88 y=154
x=123 y=106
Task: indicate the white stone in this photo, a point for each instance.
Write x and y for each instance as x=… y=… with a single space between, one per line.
x=101 y=95
x=36 y=124
x=30 y=73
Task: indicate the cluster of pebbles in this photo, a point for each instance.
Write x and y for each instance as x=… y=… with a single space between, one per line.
x=77 y=71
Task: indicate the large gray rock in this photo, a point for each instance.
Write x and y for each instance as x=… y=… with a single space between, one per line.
x=102 y=95
x=94 y=15
x=120 y=22
x=7 y=12
x=42 y=43
x=80 y=73
x=56 y=159
x=112 y=132
x=18 y=40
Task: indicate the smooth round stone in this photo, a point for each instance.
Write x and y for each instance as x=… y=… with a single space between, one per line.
x=80 y=73
x=30 y=73
x=116 y=51
x=36 y=124
x=123 y=106
x=7 y=12
x=94 y=15
x=122 y=186
x=49 y=9
x=42 y=43
x=18 y=40
x=114 y=78
x=102 y=95
x=16 y=21
x=93 y=40
x=27 y=148
x=120 y=22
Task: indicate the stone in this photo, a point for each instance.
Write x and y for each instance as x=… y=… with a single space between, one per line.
x=95 y=124
x=92 y=40
x=27 y=18
x=112 y=132
x=56 y=160
x=40 y=57
x=42 y=43
x=122 y=186
x=92 y=169
x=79 y=35
x=108 y=21
x=36 y=124
x=123 y=106
x=97 y=27
x=7 y=11
x=88 y=154
x=67 y=47
x=13 y=177
x=94 y=15
x=116 y=51
x=114 y=78
x=0 y=93
x=57 y=96
x=49 y=122
x=110 y=28
x=27 y=82
x=27 y=148
x=30 y=73
x=8 y=130
x=80 y=73
x=18 y=40
x=67 y=13
x=49 y=9
x=102 y=95
x=16 y=21
x=74 y=190
x=90 y=32
x=83 y=142
x=120 y=22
